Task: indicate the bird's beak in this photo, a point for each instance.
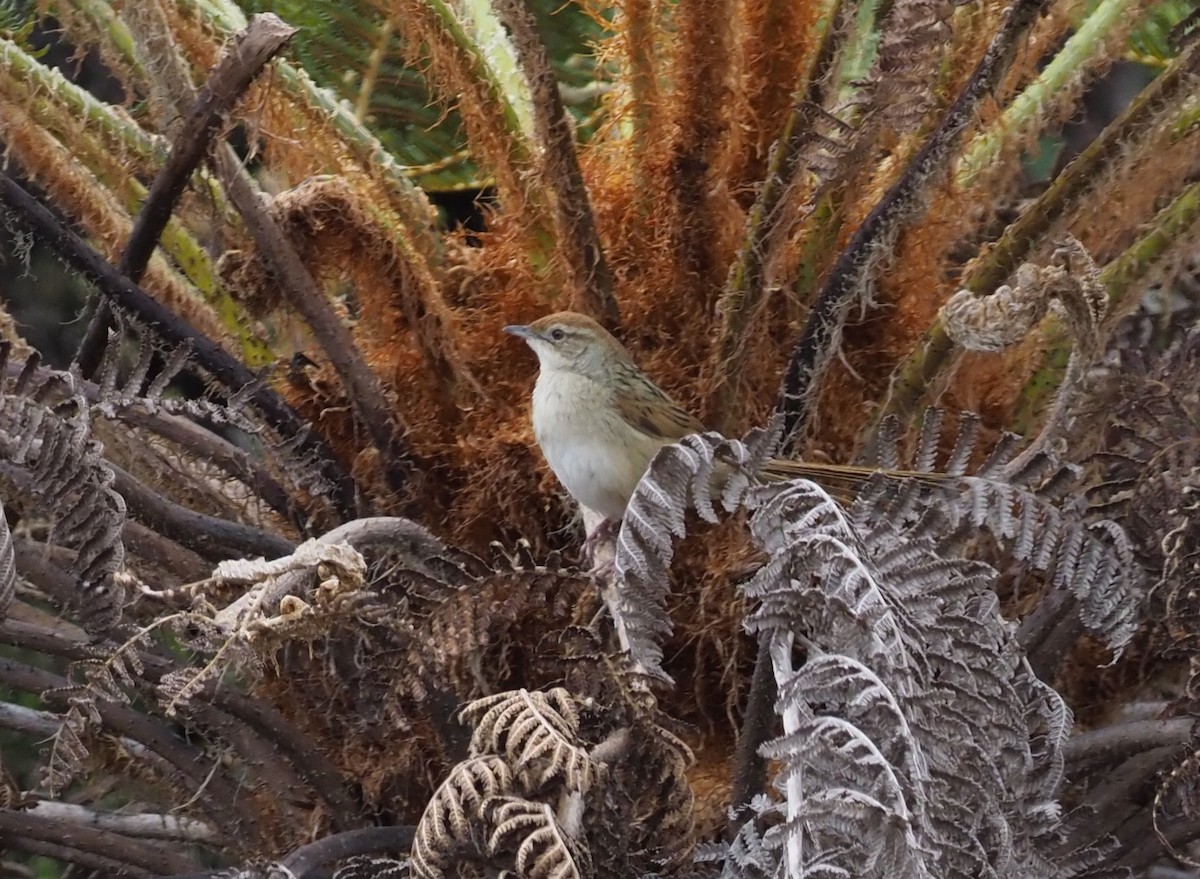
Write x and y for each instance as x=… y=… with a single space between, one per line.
x=522 y=331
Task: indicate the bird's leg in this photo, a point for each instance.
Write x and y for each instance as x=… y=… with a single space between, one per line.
x=599 y=547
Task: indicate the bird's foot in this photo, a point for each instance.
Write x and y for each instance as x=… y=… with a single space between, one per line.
x=599 y=548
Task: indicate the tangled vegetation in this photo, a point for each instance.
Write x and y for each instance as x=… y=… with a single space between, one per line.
x=285 y=584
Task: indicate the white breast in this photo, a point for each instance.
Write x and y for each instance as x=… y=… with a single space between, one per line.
x=593 y=453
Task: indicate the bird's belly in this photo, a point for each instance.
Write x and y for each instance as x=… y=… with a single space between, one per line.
x=596 y=471
x=595 y=455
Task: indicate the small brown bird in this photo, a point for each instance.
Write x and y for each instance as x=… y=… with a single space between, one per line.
x=600 y=420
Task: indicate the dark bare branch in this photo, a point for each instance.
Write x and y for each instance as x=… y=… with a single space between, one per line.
x=363 y=386
x=231 y=373
x=264 y=37
x=146 y=859
x=209 y=536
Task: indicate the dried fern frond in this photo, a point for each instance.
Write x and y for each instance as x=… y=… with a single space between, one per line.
x=56 y=472
x=543 y=849
x=454 y=815
x=905 y=656
x=1014 y=498
x=536 y=733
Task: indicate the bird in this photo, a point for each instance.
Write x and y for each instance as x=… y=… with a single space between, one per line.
x=599 y=419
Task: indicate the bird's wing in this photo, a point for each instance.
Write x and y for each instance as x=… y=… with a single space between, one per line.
x=647 y=409
x=643 y=406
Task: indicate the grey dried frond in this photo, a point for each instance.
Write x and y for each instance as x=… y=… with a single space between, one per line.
x=454 y=814
x=110 y=677
x=68 y=753
x=115 y=393
x=106 y=678
x=1139 y=419
x=916 y=740
x=680 y=478
x=540 y=846
x=550 y=802
x=1016 y=501
x=177 y=688
x=747 y=855
x=165 y=440
x=52 y=469
x=285 y=600
x=8 y=566
x=537 y=733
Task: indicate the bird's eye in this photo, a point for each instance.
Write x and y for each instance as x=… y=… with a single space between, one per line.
x=557 y=335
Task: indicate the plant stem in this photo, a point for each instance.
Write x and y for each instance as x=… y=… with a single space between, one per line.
x=851 y=275
x=1082 y=49
x=933 y=355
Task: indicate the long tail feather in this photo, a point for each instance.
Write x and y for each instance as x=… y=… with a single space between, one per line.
x=843 y=481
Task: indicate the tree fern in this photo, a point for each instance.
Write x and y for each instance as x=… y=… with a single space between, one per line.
x=286 y=578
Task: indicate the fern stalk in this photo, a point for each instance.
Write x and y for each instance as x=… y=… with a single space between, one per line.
x=1085 y=49
x=851 y=277
x=741 y=303
x=471 y=64
x=103 y=24
x=410 y=216
x=931 y=358
x=636 y=19
x=579 y=239
x=24 y=80
x=858 y=50
x=781 y=660
x=94 y=206
x=490 y=41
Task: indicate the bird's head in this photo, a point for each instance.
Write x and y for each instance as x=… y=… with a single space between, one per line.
x=571 y=342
